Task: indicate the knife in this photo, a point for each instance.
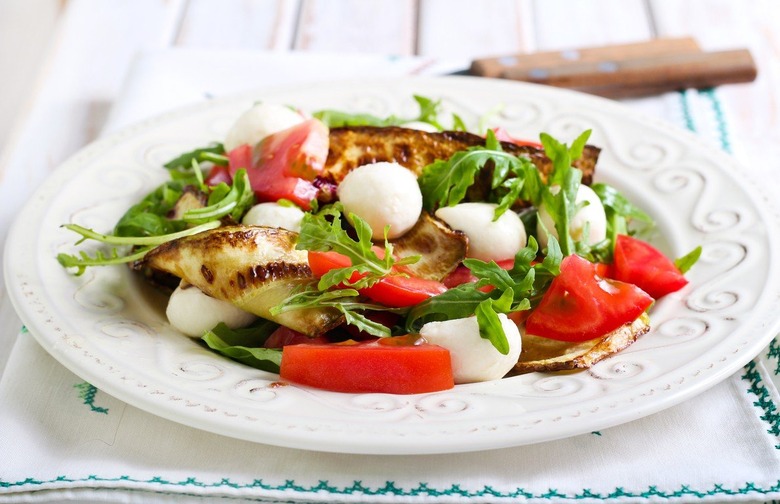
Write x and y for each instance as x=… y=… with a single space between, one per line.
x=624 y=71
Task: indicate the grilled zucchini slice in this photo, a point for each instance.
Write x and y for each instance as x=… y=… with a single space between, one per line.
x=253 y=267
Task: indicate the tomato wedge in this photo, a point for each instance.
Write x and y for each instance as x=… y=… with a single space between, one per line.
x=283 y=165
x=580 y=305
x=640 y=263
x=218 y=174
x=462 y=274
x=284 y=336
x=395 y=291
x=504 y=136
x=393 y=365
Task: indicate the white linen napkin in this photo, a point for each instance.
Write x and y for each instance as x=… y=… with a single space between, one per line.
x=62 y=439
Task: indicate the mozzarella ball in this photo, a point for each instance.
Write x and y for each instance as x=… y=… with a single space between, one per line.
x=474 y=359
x=593 y=214
x=382 y=194
x=258 y=122
x=192 y=312
x=274 y=215
x=489 y=240
x=419 y=125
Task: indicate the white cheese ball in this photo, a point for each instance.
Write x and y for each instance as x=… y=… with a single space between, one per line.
x=274 y=215
x=382 y=194
x=593 y=214
x=192 y=312
x=421 y=126
x=489 y=240
x=258 y=122
x=474 y=359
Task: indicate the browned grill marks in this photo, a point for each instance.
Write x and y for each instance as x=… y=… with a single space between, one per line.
x=207 y=274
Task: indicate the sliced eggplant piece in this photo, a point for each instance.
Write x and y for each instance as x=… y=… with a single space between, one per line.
x=545 y=355
x=351 y=147
x=190 y=199
x=441 y=248
x=253 y=267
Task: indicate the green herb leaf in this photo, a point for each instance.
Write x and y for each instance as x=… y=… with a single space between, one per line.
x=225 y=341
x=225 y=200
x=560 y=202
x=82 y=260
x=612 y=199
x=446 y=182
x=89 y=234
x=324 y=232
x=623 y=217
x=429 y=111
x=213 y=153
x=339 y=119
x=686 y=262
x=490 y=327
x=516 y=290
x=458 y=302
x=347 y=301
x=148 y=217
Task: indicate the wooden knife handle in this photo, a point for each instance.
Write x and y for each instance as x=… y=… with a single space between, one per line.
x=645 y=75
x=628 y=70
x=496 y=66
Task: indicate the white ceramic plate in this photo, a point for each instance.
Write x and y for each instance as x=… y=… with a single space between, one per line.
x=110 y=329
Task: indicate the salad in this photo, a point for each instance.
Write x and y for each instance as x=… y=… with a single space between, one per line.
x=358 y=253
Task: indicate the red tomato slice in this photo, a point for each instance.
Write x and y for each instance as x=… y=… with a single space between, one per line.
x=284 y=336
x=283 y=164
x=504 y=136
x=580 y=305
x=387 y=319
x=462 y=274
x=393 y=291
x=218 y=174
x=402 y=291
x=459 y=276
x=641 y=264
x=322 y=262
x=605 y=270
x=389 y=365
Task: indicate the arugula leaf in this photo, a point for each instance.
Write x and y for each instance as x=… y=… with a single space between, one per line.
x=559 y=195
x=323 y=232
x=429 y=112
x=245 y=345
x=623 y=217
x=146 y=223
x=253 y=335
x=612 y=199
x=515 y=290
x=225 y=200
x=490 y=327
x=687 y=261
x=347 y=301
x=148 y=216
x=213 y=153
x=338 y=119
x=446 y=182
x=82 y=260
